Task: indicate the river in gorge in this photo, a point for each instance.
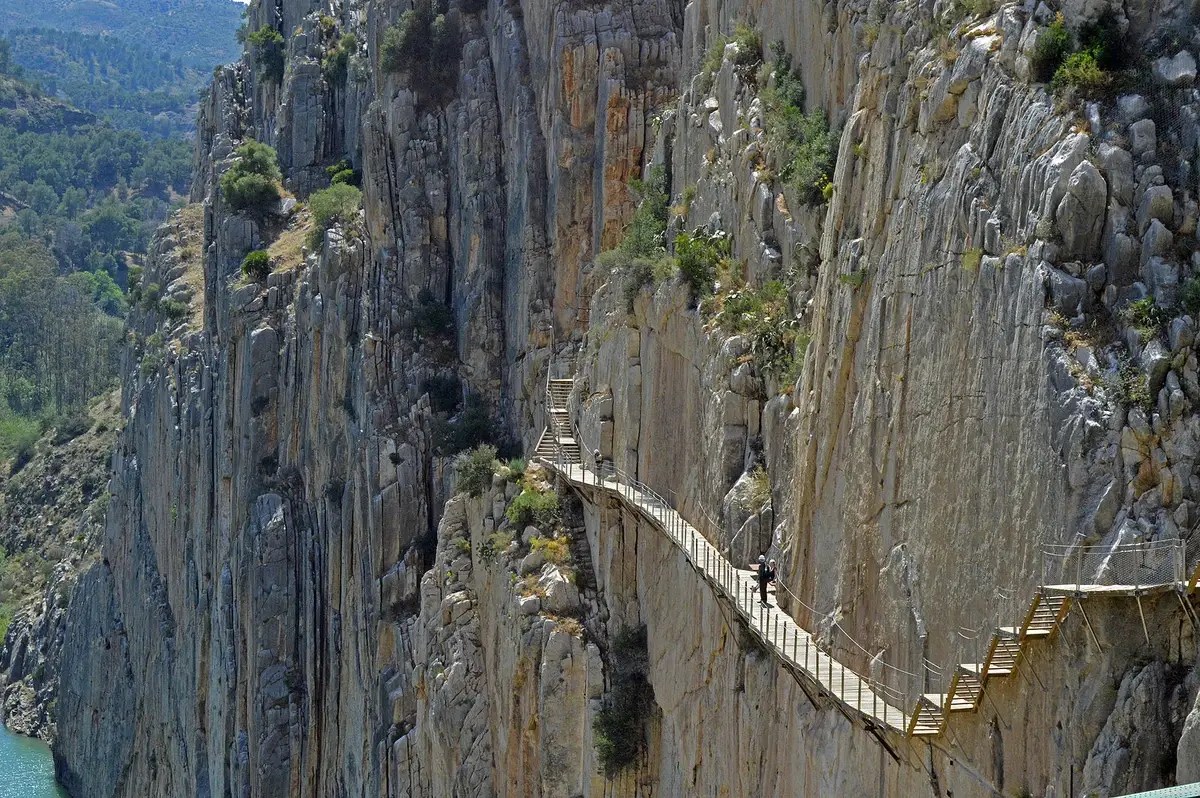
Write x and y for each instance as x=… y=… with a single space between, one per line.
x=26 y=768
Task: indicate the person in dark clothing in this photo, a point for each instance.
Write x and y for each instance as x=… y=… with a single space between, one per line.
x=766 y=575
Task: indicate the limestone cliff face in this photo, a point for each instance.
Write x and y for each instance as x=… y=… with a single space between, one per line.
x=287 y=603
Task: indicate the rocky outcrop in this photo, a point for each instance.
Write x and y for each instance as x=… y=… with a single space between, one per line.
x=287 y=604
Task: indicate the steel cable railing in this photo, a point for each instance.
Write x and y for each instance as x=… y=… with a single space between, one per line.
x=782 y=633
x=1139 y=566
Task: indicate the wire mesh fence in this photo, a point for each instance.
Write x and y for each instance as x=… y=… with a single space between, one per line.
x=1119 y=567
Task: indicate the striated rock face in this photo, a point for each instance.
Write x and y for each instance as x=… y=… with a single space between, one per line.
x=292 y=601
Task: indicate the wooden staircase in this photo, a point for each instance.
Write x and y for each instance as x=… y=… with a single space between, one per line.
x=1004 y=652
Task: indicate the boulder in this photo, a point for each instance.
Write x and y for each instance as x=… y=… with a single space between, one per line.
x=1178 y=71
x=1157 y=203
x=1069 y=294
x=1143 y=138
x=1080 y=215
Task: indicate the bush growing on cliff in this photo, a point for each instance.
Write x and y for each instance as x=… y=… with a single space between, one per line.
x=805 y=147
x=268 y=52
x=252 y=183
x=1091 y=70
x=333 y=65
x=777 y=339
x=470 y=428
x=426 y=47
x=473 y=470
x=620 y=725
x=641 y=256
x=256 y=265
x=1053 y=45
x=698 y=255
x=532 y=507
x=337 y=205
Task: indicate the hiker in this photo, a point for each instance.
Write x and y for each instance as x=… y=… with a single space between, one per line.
x=599 y=458
x=766 y=575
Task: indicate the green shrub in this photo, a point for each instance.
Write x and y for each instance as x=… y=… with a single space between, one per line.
x=777 y=340
x=337 y=205
x=333 y=65
x=425 y=47
x=698 y=255
x=759 y=496
x=641 y=255
x=1081 y=71
x=252 y=183
x=516 y=470
x=430 y=317
x=620 y=725
x=68 y=428
x=1189 y=297
x=6 y=616
x=267 y=44
x=174 y=309
x=749 y=44
x=1128 y=386
x=1145 y=316
x=804 y=145
x=473 y=426
x=971 y=259
x=494 y=544
x=1053 y=45
x=554 y=550
x=532 y=507
x=473 y=470
x=256 y=265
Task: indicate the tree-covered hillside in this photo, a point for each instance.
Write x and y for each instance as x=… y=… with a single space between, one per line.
x=130 y=85
x=79 y=200
x=200 y=33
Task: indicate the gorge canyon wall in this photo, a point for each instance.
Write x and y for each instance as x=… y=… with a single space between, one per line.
x=292 y=596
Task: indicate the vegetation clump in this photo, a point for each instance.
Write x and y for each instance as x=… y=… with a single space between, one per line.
x=469 y=429
x=252 y=183
x=532 y=506
x=1053 y=45
x=1145 y=316
x=804 y=145
x=698 y=256
x=473 y=469
x=620 y=725
x=426 y=47
x=337 y=58
x=777 y=339
x=267 y=44
x=337 y=205
x=554 y=550
x=641 y=256
x=1091 y=71
x=256 y=265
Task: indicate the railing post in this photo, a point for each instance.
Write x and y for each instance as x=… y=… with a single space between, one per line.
x=1078 y=569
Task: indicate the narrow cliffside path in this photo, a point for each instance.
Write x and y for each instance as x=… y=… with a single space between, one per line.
x=1132 y=570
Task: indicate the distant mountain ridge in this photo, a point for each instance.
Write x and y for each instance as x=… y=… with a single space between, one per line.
x=200 y=33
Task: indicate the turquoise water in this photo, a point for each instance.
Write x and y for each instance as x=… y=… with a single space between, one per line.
x=26 y=768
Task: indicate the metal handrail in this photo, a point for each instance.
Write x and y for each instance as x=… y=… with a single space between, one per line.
x=933 y=679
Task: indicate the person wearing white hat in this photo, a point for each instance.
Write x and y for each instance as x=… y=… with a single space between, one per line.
x=766 y=575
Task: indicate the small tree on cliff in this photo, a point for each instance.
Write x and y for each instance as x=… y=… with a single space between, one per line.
x=426 y=47
x=252 y=183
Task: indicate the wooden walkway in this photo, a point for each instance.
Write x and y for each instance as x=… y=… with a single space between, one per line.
x=878 y=706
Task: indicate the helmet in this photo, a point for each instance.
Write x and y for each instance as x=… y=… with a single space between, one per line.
x=762 y=558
